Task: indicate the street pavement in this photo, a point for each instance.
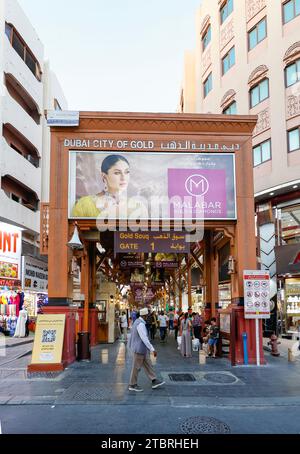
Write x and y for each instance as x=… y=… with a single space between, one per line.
x=93 y=397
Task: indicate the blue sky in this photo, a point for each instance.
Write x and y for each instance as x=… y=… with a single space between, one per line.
x=116 y=55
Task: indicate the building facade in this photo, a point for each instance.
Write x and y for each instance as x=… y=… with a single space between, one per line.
x=247 y=61
x=28 y=88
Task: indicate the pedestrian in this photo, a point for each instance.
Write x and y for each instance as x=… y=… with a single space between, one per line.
x=186 y=338
x=176 y=324
x=196 y=326
x=171 y=320
x=205 y=337
x=214 y=333
x=124 y=326
x=153 y=324
x=134 y=315
x=141 y=347
x=163 y=325
x=148 y=323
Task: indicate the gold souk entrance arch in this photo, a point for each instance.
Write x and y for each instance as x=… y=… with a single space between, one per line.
x=152 y=142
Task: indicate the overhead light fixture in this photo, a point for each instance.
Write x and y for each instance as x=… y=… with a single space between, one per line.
x=295 y=187
x=272 y=193
x=75 y=242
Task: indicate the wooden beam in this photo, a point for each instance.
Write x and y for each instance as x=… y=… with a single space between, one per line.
x=197 y=261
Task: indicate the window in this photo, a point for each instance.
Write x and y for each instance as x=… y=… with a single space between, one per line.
x=15 y=198
x=8 y=30
x=257 y=34
x=228 y=61
x=294 y=139
x=22 y=50
x=259 y=93
x=291 y=9
x=290 y=224
x=292 y=73
x=206 y=39
x=207 y=85
x=226 y=10
x=18 y=46
x=231 y=110
x=262 y=153
x=56 y=105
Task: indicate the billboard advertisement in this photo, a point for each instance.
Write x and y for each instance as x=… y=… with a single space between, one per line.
x=10 y=252
x=130 y=185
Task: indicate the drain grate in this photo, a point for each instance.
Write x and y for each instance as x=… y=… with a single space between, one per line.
x=46 y=375
x=92 y=394
x=204 y=425
x=220 y=378
x=182 y=377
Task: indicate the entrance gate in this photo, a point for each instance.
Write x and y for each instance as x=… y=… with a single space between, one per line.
x=179 y=145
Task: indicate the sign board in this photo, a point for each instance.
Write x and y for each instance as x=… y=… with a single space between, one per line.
x=151 y=242
x=10 y=252
x=64 y=118
x=257 y=294
x=156 y=186
x=34 y=275
x=48 y=340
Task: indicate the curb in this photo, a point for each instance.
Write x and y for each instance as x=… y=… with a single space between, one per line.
x=20 y=343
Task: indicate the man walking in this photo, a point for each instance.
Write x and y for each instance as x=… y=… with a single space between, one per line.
x=141 y=347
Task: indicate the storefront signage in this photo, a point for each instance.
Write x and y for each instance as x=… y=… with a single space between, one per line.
x=257 y=294
x=142 y=144
x=150 y=242
x=10 y=283
x=171 y=265
x=131 y=264
x=62 y=118
x=156 y=186
x=34 y=275
x=10 y=252
x=48 y=340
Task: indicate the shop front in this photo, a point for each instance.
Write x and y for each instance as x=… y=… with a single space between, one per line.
x=11 y=296
x=174 y=193
x=34 y=287
x=288 y=295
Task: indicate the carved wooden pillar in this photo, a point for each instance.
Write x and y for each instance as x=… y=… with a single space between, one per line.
x=85 y=289
x=189 y=280
x=180 y=288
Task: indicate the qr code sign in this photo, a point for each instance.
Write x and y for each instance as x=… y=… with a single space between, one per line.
x=49 y=335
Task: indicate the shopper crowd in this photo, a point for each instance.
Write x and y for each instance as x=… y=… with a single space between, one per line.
x=189 y=329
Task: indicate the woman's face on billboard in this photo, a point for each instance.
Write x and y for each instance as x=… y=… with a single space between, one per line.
x=117 y=178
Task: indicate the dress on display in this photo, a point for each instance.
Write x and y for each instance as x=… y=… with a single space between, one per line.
x=21 y=324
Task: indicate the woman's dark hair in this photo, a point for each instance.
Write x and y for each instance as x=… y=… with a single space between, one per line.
x=186 y=315
x=110 y=161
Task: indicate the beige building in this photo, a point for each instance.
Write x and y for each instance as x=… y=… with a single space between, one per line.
x=247 y=61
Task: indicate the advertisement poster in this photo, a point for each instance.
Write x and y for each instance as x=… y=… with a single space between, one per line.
x=48 y=340
x=34 y=275
x=130 y=185
x=257 y=294
x=10 y=252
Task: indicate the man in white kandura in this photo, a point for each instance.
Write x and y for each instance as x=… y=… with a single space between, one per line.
x=141 y=347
